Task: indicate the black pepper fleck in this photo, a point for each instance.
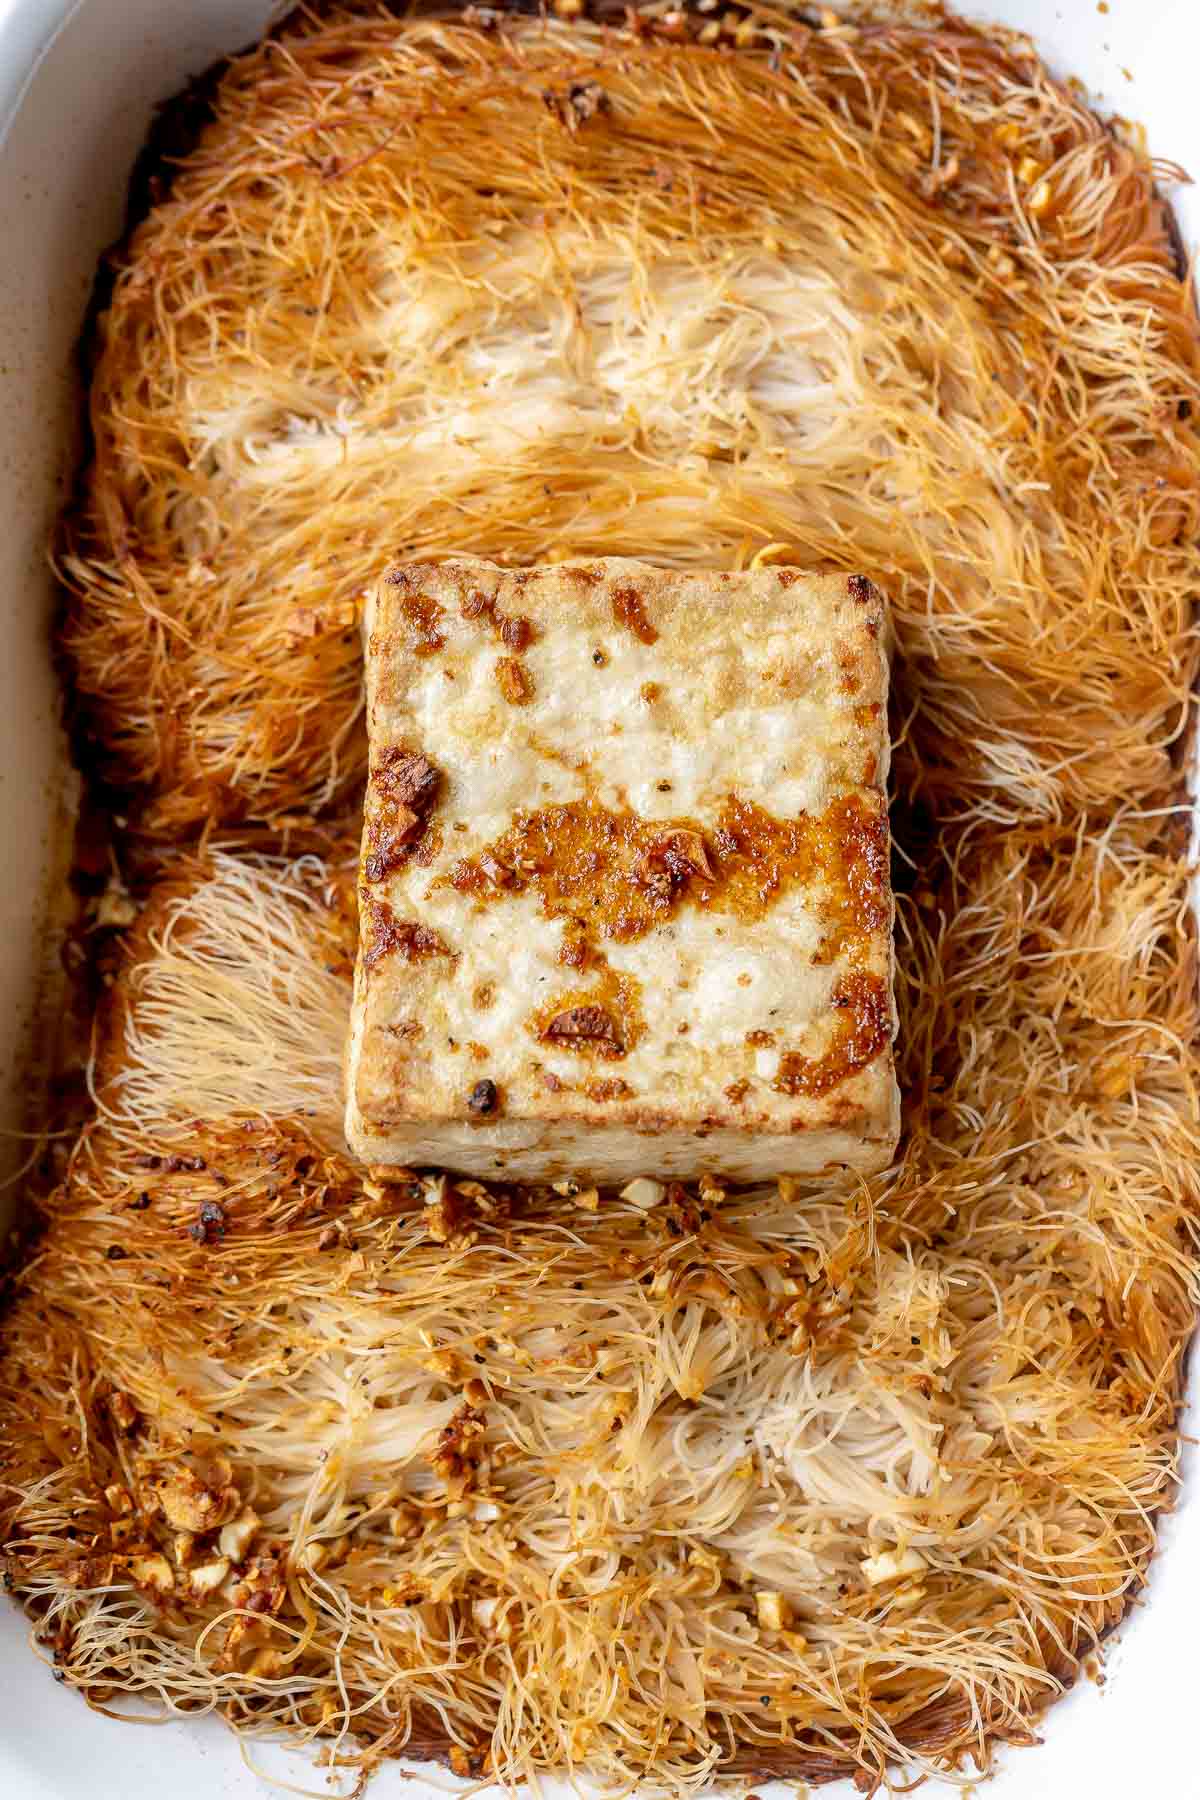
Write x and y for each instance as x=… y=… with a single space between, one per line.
x=483 y=1097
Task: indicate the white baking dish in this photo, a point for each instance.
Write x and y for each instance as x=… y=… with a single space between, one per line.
x=77 y=86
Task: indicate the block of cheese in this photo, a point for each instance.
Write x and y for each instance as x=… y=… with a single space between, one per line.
x=624 y=893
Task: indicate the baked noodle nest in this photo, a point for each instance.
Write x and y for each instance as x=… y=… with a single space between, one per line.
x=813 y=1479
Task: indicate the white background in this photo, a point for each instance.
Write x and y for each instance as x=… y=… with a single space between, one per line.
x=78 y=83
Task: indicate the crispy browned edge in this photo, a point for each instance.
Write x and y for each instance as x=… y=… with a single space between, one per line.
x=175 y=130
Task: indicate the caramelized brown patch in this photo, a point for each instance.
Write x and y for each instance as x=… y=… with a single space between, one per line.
x=617 y=875
x=386 y=935
x=512 y=629
x=736 y=1092
x=612 y=1088
x=401 y=791
x=629 y=611
x=514 y=680
x=861 y=1034
x=423 y=615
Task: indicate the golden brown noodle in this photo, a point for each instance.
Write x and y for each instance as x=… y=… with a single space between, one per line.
x=838 y=322
x=891 y=298
x=728 y=1398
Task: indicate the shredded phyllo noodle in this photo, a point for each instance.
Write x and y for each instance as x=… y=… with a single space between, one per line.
x=683 y=1481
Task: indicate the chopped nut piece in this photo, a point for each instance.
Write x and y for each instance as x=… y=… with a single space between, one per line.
x=237 y=1536
x=90 y=1572
x=449 y=1215
x=114 y=908
x=581 y=102
x=207 y=1578
x=445 y=1364
x=892 y=1565
x=489 y=1618
x=118 y=1498
x=189 y=1505
x=774 y=1611
x=643 y=1192
x=588 y=1022
x=153 y=1572
x=406 y=1522
x=267 y=1663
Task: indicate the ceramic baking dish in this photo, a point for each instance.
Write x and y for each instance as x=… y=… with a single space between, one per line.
x=78 y=84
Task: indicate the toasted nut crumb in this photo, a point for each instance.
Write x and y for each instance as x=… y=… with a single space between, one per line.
x=643 y=1192
x=892 y=1565
x=114 y=908
x=207 y=1578
x=189 y=1505
x=237 y=1536
x=267 y=1663
x=153 y=1572
x=774 y=1611
x=406 y=1522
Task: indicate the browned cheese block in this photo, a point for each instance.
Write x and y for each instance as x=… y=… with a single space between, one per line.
x=625 y=896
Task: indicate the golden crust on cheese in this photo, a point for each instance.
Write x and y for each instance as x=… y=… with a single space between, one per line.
x=624 y=889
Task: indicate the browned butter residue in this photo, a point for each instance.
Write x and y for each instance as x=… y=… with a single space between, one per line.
x=613 y=874
x=862 y=1028
x=385 y=935
x=423 y=615
x=629 y=611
